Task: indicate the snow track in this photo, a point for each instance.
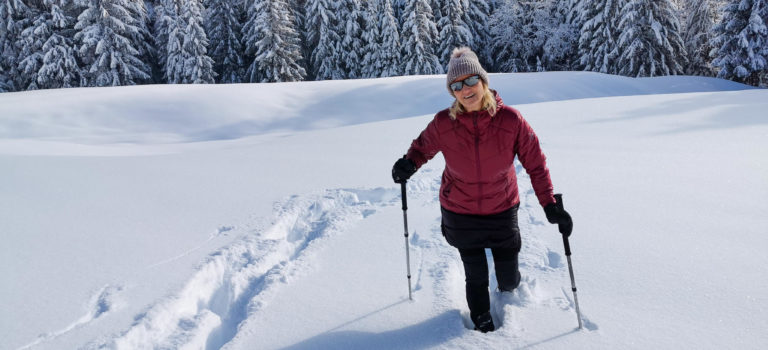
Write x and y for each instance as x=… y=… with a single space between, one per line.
x=236 y=283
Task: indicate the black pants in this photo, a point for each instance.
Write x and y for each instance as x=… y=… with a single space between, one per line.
x=471 y=234
x=476 y=272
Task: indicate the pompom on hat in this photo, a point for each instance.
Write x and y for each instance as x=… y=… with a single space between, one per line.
x=464 y=62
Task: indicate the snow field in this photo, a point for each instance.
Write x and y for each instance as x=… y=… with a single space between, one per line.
x=175 y=230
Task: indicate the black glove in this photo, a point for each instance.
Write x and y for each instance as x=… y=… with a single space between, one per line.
x=403 y=169
x=556 y=214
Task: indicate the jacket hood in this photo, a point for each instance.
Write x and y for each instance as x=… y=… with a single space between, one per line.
x=499 y=101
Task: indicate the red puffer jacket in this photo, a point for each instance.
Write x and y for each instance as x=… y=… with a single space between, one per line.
x=479 y=151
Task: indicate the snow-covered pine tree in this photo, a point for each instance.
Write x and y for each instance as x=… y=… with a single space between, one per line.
x=741 y=45
x=197 y=67
x=763 y=77
x=454 y=32
x=372 y=37
x=13 y=18
x=681 y=12
x=650 y=43
x=166 y=33
x=437 y=11
x=323 y=40
x=418 y=35
x=104 y=31
x=299 y=11
x=561 y=46
x=599 y=36
x=437 y=17
x=176 y=31
x=506 y=30
x=6 y=84
x=398 y=6
x=272 y=43
x=389 y=55
x=222 y=22
x=155 y=69
x=494 y=4
x=700 y=21
x=572 y=11
x=477 y=17
x=142 y=38
x=30 y=44
x=60 y=68
x=552 y=36
x=520 y=30
x=350 y=29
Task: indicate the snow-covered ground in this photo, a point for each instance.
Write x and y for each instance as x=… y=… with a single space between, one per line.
x=263 y=216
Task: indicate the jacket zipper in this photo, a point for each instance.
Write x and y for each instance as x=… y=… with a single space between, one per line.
x=477 y=163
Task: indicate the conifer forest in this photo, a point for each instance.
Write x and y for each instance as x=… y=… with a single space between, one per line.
x=48 y=44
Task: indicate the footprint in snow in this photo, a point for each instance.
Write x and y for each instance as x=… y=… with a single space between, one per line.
x=100 y=304
x=222 y=231
x=554 y=259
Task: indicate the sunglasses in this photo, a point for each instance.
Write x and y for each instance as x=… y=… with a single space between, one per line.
x=471 y=81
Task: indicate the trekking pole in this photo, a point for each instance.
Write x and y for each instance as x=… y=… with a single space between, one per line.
x=559 y=203
x=407 y=248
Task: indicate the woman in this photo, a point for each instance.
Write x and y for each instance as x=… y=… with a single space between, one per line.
x=480 y=137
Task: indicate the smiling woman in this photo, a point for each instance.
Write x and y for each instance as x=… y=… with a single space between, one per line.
x=480 y=137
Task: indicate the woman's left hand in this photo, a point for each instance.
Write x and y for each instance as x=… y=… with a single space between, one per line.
x=557 y=215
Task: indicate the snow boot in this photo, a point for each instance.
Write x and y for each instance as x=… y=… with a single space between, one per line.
x=484 y=323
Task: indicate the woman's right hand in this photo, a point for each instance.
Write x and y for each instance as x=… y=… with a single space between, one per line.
x=403 y=169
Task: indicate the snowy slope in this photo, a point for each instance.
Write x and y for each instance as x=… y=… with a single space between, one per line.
x=263 y=216
x=195 y=113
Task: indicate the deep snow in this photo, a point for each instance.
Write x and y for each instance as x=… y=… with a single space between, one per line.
x=263 y=216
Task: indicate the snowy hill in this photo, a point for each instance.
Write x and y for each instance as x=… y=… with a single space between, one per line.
x=263 y=217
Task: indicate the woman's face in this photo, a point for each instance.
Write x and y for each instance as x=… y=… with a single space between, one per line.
x=470 y=97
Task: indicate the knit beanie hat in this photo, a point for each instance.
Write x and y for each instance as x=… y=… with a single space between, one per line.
x=463 y=62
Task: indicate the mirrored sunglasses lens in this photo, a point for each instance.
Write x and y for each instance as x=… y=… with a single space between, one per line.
x=471 y=81
x=457 y=86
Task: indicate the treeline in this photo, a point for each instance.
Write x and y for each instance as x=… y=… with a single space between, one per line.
x=70 y=43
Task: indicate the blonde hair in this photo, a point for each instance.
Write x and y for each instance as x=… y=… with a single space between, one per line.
x=488 y=104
